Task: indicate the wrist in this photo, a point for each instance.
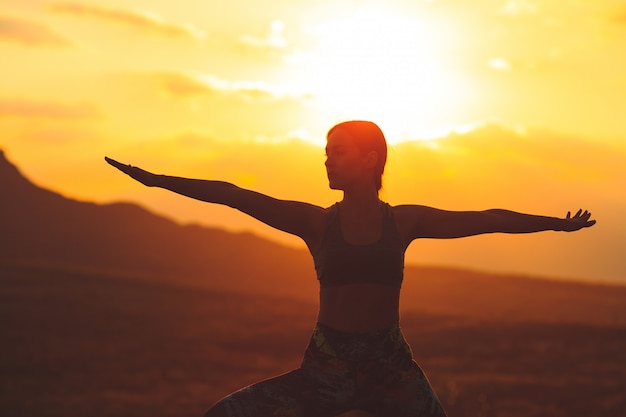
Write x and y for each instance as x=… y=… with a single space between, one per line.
x=156 y=180
x=561 y=225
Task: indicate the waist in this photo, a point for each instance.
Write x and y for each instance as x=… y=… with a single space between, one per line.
x=343 y=264
x=359 y=308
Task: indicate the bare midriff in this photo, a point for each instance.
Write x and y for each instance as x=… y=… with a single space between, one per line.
x=359 y=308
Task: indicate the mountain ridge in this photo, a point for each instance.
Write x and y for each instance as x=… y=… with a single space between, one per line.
x=170 y=318
x=39 y=228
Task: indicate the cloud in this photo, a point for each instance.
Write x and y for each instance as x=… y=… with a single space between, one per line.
x=51 y=110
x=271 y=46
x=503 y=155
x=138 y=20
x=519 y=7
x=500 y=64
x=184 y=85
x=29 y=33
x=274 y=39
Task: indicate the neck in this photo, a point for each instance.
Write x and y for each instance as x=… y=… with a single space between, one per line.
x=360 y=199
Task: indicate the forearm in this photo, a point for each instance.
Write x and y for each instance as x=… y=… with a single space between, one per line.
x=204 y=190
x=506 y=221
x=289 y=216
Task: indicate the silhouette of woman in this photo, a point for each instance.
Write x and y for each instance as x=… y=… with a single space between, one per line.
x=357 y=358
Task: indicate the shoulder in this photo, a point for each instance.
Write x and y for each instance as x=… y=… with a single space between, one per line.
x=408 y=217
x=410 y=212
x=318 y=221
x=316 y=215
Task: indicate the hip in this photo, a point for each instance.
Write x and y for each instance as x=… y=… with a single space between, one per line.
x=379 y=345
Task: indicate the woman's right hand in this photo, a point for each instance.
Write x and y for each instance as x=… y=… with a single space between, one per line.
x=146 y=178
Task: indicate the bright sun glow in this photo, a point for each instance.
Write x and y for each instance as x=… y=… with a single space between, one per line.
x=379 y=65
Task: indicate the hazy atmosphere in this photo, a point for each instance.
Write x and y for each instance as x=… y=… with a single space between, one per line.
x=509 y=104
x=122 y=300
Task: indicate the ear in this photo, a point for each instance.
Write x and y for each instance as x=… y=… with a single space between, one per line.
x=371 y=159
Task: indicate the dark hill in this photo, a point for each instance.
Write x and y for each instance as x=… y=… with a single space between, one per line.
x=82 y=336
x=43 y=228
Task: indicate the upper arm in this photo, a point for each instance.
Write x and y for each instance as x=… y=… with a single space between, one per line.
x=415 y=221
x=295 y=217
x=300 y=219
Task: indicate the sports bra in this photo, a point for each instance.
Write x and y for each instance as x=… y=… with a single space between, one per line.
x=338 y=262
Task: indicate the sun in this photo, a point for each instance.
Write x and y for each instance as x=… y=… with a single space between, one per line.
x=385 y=66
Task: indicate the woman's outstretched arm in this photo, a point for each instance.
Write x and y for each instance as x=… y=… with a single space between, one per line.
x=428 y=222
x=297 y=218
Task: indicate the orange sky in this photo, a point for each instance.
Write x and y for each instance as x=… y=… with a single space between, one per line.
x=245 y=91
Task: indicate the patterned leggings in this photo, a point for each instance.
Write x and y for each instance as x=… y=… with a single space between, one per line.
x=341 y=371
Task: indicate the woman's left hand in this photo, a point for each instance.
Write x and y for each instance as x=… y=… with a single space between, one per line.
x=146 y=178
x=580 y=220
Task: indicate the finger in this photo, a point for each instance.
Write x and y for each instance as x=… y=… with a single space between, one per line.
x=113 y=162
x=568 y=215
x=126 y=169
x=578 y=212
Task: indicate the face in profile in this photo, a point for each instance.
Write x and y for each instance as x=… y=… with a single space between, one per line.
x=345 y=163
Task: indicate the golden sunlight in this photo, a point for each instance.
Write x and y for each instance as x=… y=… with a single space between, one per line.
x=377 y=64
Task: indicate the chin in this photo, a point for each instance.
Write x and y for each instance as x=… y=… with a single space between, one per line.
x=334 y=186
